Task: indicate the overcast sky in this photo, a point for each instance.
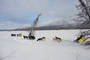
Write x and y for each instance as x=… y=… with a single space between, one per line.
x=25 y=11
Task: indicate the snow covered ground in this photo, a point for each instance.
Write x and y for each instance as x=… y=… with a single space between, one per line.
x=17 y=48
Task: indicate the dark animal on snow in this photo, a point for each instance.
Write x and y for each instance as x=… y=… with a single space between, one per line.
x=31 y=37
x=41 y=38
x=25 y=37
x=57 y=39
x=13 y=34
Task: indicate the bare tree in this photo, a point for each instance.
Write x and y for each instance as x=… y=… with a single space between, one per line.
x=85 y=7
x=84 y=13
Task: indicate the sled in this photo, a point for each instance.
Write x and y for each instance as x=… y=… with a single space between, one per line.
x=81 y=39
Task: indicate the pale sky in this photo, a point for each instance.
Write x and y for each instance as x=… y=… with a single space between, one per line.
x=25 y=11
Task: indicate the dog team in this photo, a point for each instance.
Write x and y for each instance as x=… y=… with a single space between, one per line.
x=80 y=39
x=32 y=37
